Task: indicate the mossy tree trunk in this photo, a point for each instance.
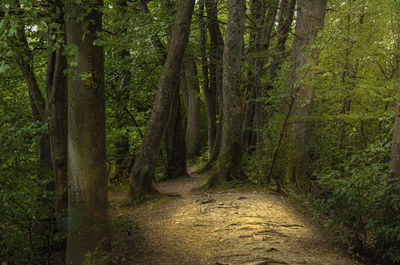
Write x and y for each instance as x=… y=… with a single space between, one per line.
x=229 y=160
x=209 y=94
x=142 y=173
x=175 y=141
x=310 y=19
x=88 y=223
x=193 y=140
x=174 y=138
x=37 y=101
x=285 y=20
x=57 y=94
x=263 y=15
x=213 y=95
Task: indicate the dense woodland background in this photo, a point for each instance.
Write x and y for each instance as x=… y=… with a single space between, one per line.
x=298 y=96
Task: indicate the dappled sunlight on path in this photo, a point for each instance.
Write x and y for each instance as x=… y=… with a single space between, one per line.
x=223 y=227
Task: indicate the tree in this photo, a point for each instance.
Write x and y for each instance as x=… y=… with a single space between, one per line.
x=192 y=109
x=310 y=19
x=260 y=38
x=229 y=160
x=88 y=225
x=38 y=103
x=175 y=141
x=56 y=110
x=208 y=94
x=215 y=88
x=142 y=173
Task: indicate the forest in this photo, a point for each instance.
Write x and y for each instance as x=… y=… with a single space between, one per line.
x=115 y=115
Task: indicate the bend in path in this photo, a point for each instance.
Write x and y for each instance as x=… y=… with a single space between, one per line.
x=224 y=227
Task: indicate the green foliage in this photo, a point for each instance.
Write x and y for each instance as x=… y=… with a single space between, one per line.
x=362 y=202
x=27 y=229
x=97 y=257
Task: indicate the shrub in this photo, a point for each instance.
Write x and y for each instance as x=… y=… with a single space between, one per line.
x=27 y=233
x=362 y=202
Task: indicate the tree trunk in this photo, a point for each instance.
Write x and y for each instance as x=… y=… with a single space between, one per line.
x=36 y=98
x=208 y=94
x=263 y=45
x=260 y=37
x=215 y=82
x=285 y=20
x=57 y=120
x=175 y=144
x=175 y=141
x=215 y=88
x=310 y=20
x=193 y=140
x=88 y=225
x=155 y=40
x=142 y=173
x=229 y=160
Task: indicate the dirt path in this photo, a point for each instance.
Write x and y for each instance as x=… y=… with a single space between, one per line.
x=221 y=227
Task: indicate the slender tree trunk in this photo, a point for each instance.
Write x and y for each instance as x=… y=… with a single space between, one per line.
x=155 y=40
x=285 y=20
x=142 y=172
x=310 y=20
x=122 y=153
x=229 y=160
x=36 y=98
x=279 y=54
x=88 y=225
x=175 y=141
x=208 y=93
x=175 y=144
x=193 y=140
x=57 y=119
x=260 y=38
x=215 y=89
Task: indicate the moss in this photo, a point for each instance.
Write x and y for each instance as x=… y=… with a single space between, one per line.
x=159 y=201
x=228 y=168
x=120 y=187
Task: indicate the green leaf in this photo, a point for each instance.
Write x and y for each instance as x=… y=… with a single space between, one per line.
x=3 y=67
x=98 y=42
x=10 y=53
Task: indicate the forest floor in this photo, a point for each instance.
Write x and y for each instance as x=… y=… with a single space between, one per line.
x=225 y=226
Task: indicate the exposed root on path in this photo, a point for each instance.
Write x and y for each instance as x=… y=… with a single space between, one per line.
x=220 y=227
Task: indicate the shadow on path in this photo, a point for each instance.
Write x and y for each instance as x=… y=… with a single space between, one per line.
x=221 y=227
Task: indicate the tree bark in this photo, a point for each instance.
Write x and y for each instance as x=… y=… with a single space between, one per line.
x=57 y=119
x=175 y=141
x=88 y=225
x=142 y=173
x=229 y=160
x=37 y=101
x=208 y=93
x=213 y=95
x=193 y=140
x=263 y=45
x=310 y=20
x=122 y=153
x=155 y=40
x=215 y=88
x=260 y=37
x=285 y=20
